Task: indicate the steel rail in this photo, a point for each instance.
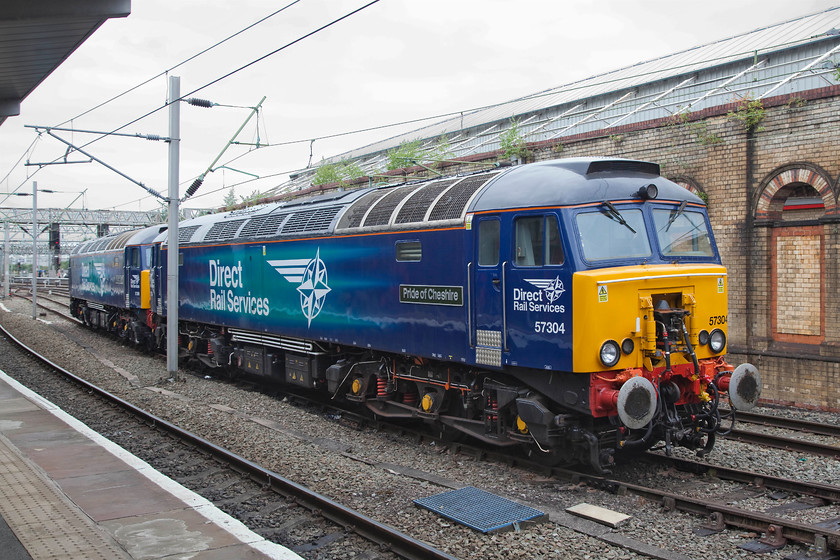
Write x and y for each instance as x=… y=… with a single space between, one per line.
x=721 y=515
x=795 y=424
x=780 y=442
x=385 y=536
x=827 y=492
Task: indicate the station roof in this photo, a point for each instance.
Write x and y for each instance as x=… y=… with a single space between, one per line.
x=786 y=58
x=36 y=36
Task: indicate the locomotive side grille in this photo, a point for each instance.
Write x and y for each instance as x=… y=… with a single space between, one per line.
x=380 y=215
x=452 y=203
x=223 y=230
x=415 y=208
x=270 y=340
x=353 y=217
x=311 y=221
x=186 y=233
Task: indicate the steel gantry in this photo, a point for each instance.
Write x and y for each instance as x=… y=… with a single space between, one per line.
x=69 y=227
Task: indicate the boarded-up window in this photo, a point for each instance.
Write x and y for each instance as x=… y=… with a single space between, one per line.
x=798 y=282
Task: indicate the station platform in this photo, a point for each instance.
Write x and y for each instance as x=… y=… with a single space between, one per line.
x=68 y=493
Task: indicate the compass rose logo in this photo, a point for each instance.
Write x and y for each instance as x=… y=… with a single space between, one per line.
x=311 y=277
x=553 y=288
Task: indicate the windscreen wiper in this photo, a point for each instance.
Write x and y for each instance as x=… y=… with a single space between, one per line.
x=616 y=215
x=676 y=214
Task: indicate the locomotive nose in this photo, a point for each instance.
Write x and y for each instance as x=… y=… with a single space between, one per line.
x=636 y=402
x=744 y=387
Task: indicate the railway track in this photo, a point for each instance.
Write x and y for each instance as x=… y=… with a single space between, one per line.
x=823 y=539
x=788 y=443
x=337 y=517
x=718 y=516
x=794 y=424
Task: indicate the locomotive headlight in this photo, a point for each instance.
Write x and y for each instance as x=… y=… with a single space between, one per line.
x=717 y=341
x=627 y=346
x=648 y=192
x=703 y=338
x=610 y=353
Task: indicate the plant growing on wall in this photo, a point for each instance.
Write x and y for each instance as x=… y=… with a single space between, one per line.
x=706 y=138
x=512 y=142
x=750 y=113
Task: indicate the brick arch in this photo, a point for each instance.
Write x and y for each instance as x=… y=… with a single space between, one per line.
x=689 y=184
x=794 y=174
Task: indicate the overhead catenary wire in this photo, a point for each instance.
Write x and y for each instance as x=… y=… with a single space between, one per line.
x=232 y=72
x=149 y=80
x=185 y=61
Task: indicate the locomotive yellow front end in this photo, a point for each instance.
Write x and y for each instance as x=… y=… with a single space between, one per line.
x=652 y=339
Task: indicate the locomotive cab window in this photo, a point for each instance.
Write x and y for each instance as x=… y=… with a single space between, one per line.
x=488 y=242
x=134 y=257
x=538 y=241
x=606 y=235
x=682 y=233
x=409 y=251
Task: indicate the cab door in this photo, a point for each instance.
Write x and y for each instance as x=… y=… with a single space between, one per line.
x=487 y=310
x=132 y=277
x=539 y=281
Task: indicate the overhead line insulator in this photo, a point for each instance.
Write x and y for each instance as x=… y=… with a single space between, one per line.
x=194 y=187
x=206 y=103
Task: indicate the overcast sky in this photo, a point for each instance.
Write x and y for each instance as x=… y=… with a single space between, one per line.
x=394 y=61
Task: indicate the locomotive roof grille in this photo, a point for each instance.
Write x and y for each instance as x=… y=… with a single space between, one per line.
x=185 y=233
x=252 y=227
x=223 y=230
x=380 y=214
x=263 y=226
x=451 y=205
x=417 y=205
x=424 y=204
x=353 y=217
x=311 y=221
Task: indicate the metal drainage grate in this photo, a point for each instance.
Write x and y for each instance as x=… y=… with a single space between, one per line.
x=481 y=510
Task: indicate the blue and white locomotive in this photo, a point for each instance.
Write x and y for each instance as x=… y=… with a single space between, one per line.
x=574 y=307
